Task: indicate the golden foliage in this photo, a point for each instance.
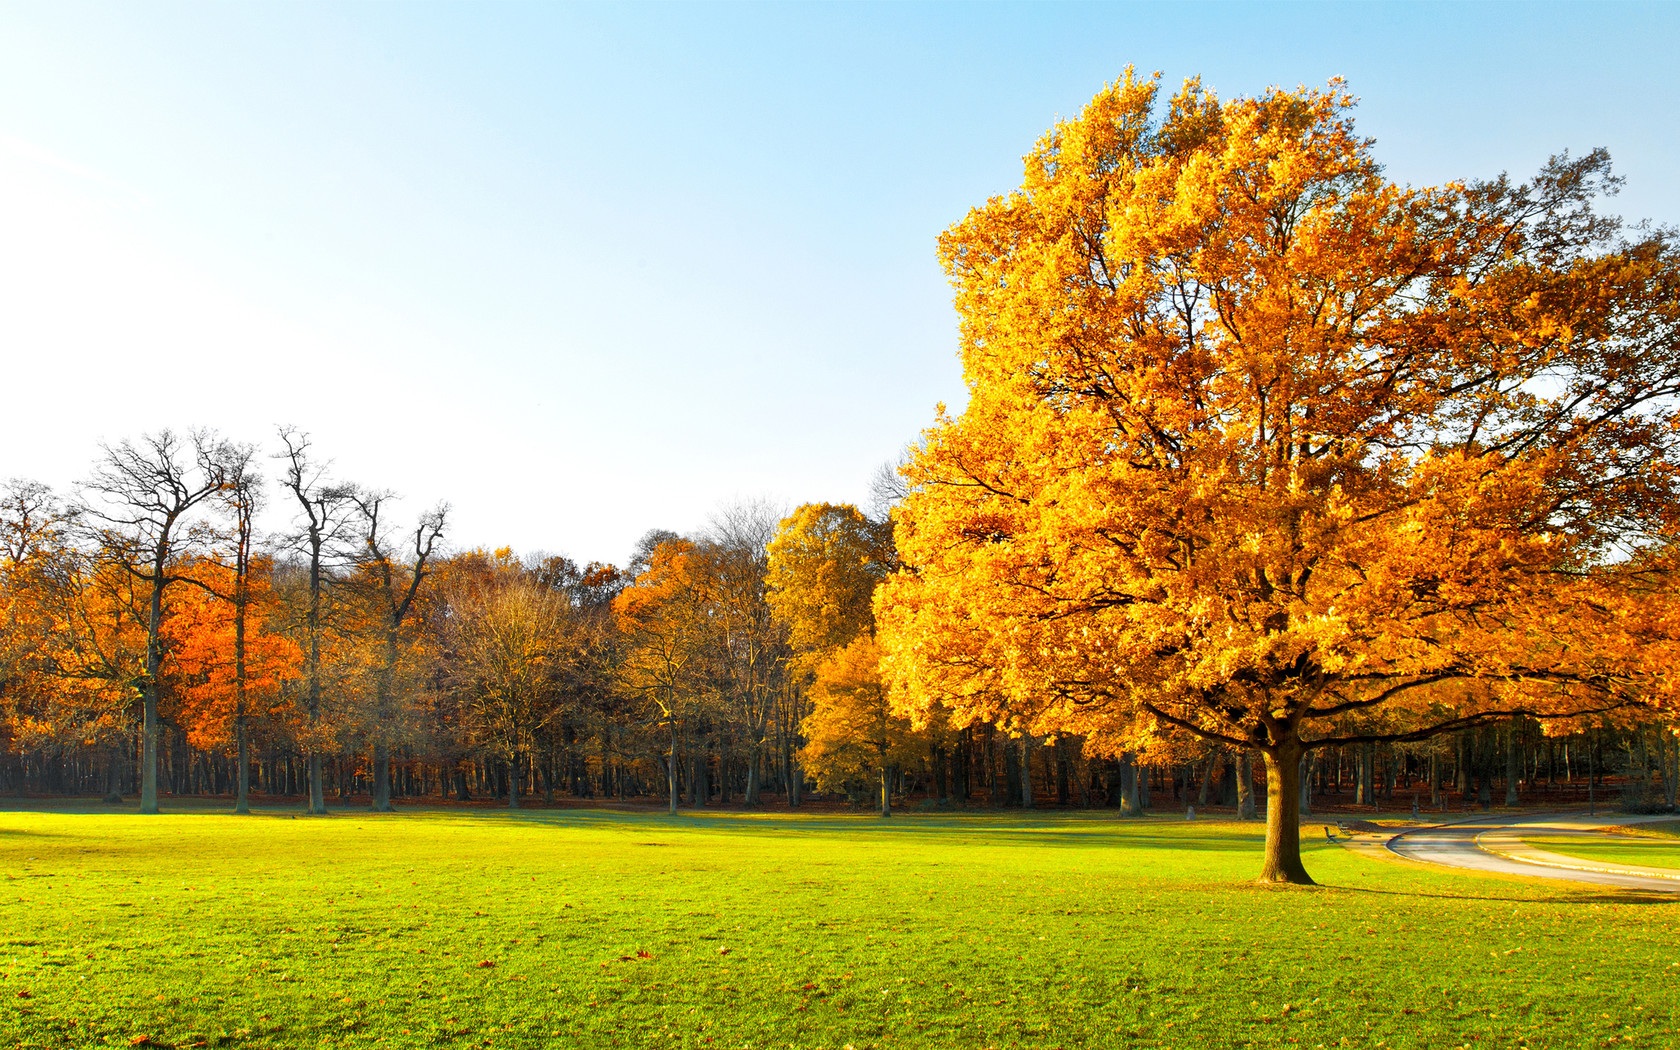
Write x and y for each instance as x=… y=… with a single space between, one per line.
x=852 y=731
x=824 y=564
x=1266 y=447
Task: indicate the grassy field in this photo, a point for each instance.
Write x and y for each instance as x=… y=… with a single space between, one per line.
x=1647 y=850
x=586 y=929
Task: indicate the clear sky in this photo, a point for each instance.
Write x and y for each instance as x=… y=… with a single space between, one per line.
x=585 y=270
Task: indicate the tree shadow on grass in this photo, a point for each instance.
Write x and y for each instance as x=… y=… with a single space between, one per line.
x=1625 y=897
x=1020 y=830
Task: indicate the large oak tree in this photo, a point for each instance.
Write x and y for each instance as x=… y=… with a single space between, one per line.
x=1267 y=448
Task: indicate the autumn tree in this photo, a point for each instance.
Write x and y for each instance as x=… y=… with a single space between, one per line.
x=230 y=663
x=323 y=507
x=509 y=661
x=670 y=640
x=242 y=496
x=68 y=667
x=753 y=642
x=853 y=734
x=144 y=502
x=824 y=565
x=31 y=535
x=590 y=702
x=1266 y=448
x=388 y=575
x=524 y=661
x=236 y=660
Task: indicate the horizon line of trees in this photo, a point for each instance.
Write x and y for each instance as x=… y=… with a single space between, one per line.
x=154 y=643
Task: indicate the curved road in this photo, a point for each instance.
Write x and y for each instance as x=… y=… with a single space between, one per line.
x=1467 y=845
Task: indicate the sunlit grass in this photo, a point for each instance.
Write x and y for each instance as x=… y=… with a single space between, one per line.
x=1663 y=852
x=478 y=929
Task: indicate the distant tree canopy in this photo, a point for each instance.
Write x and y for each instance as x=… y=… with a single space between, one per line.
x=1265 y=448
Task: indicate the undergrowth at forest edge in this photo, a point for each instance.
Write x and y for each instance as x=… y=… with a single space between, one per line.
x=581 y=928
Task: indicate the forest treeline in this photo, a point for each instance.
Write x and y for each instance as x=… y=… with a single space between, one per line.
x=352 y=656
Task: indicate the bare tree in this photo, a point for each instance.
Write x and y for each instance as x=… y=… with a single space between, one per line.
x=323 y=506
x=142 y=503
x=393 y=586
x=242 y=497
x=754 y=641
x=888 y=486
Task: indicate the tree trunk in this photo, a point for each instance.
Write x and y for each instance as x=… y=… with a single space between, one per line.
x=114 y=771
x=700 y=781
x=1592 y=796
x=1308 y=761
x=381 y=778
x=317 y=786
x=1283 y=819
x=1130 y=804
x=671 y=768
x=1483 y=759
x=1513 y=768
x=1026 y=772
x=995 y=781
x=886 y=788
x=242 y=798
x=748 y=779
x=149 y=733
x=1245 y=787
x=513 y=781
x=1669 y=755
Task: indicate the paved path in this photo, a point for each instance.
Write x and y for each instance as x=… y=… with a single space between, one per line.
x=1495 y=844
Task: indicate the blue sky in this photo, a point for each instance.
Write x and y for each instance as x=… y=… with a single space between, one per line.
x=584 y=270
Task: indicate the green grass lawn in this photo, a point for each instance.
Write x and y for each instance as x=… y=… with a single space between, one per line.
x=585 y=929
x=1644 y=851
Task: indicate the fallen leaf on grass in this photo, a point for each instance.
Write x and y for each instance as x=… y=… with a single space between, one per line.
x=723 y=951
x=486 y=965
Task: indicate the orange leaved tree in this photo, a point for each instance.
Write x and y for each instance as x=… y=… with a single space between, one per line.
x=229 y=663
x=671 y=640
x=1264 y=447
